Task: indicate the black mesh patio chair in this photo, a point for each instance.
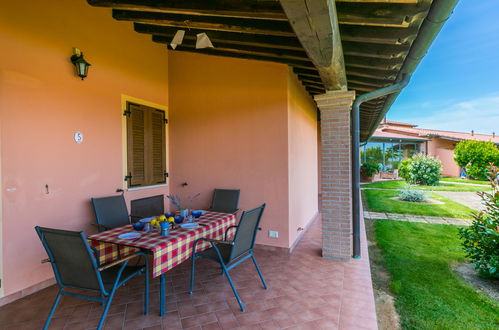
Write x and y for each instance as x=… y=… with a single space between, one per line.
x=110 y=212
x=229 y=254
x=225 y=200
x=75 y=266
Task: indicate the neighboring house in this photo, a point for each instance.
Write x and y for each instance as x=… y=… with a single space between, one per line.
x=394 y=141
x=242 y=115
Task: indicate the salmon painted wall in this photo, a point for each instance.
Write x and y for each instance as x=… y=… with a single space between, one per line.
x=302 y=155
x=228 y=129
x=444 y=150
x=42 y=103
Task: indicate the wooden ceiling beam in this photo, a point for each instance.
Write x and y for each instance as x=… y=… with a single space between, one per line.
x=237 y=54
x=372 y=73
x=226 y=37
x=373 y=82
x=315 y=23
x=369 y=62
x=382 y=14
x=375 y=50
x=214 y=23
x=384 y=1
x=306 y=72
x=190 y=42
x=269 y=10
x=310 y=79
x=380 y=35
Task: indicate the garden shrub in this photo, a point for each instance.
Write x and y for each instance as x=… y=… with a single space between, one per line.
x=369 y=169
x=481 y=239
x=421 y=169
x=475 y=157
x=404 y=170
x=413 y=195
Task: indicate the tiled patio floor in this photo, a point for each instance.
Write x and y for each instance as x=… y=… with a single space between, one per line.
x=305 y=291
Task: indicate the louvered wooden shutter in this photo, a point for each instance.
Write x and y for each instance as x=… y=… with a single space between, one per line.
x=146 y=146
x=158 y=162
x=135 y=145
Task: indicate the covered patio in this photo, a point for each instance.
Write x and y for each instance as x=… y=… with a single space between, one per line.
x=305 y=291
x=277 y=109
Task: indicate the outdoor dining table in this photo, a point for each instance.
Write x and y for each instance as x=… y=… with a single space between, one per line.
x=167 y=251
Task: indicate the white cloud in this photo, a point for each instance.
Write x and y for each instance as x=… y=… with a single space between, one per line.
x=480 y=115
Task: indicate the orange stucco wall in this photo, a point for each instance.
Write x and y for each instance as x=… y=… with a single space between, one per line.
x=302 y=155
x=228 y=129
x=444 y=150
x=42 y=104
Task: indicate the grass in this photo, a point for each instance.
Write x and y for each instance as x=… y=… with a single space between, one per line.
x=399 y=184
x=380 y=201
x=419 y=258
x=464 y=180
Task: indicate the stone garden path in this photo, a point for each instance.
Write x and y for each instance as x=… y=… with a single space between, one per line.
x=467 y=198
x=416 y=218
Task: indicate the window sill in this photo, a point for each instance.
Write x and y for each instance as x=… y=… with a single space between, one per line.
x=147 y=187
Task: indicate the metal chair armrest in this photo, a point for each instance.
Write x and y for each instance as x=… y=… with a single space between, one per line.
x=119 y=261
x=227 y=230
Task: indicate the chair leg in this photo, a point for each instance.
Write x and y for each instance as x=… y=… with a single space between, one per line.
x=52 y=310
x=233 y=288
x=191 y=286
x=146 y=293
x=259 y=272
x=106 y=309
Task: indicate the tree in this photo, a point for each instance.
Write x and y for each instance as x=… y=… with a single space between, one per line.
x=475 y=157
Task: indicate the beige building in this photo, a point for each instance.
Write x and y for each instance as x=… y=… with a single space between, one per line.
x=394 y=141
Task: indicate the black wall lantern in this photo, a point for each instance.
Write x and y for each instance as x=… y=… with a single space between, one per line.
x=80 y=64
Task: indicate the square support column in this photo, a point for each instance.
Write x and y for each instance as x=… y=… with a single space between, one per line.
x=336 y=173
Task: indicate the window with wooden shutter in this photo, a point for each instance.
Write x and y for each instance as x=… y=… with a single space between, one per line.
x=146 y=146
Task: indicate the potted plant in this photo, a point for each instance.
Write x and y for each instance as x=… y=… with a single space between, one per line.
x=368 y=170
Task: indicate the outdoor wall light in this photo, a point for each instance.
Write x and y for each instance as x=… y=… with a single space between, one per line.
x=80 y=64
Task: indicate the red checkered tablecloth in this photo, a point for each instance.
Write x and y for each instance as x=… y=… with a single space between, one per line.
x=168 y=251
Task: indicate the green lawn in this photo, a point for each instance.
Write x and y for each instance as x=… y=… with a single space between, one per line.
x=428 y=294
x=399 y=184
x=380 y=201
x=464 y=180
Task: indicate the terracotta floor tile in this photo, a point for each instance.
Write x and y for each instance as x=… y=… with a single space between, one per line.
x=199 y=320
x=305 y=291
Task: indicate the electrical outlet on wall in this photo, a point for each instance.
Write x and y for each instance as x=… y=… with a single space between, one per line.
x=273 y=234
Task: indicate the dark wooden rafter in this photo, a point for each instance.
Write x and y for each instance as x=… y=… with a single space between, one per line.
x=329 y=43
x=379 y=13
x=269 y=10
x=377 y=34
x=374 y=50
x=250 y=56
x=207 y=23
x=226 y=37
x=311 y=79
x=315 y=23
x=190 y=42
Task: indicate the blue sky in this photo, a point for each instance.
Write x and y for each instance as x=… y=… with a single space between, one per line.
x=456 y=85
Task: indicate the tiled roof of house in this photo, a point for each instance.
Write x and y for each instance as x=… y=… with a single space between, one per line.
x=409 y=131
x=398 y=136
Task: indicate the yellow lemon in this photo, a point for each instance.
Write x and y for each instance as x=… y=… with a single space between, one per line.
x=161 y=218
x=171 y=219
x=154 y=222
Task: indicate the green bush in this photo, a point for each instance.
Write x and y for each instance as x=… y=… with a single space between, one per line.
x=475 y=157
x=404 y=172
x=413 y=195
x=421 y=169
x=369 y=169
x=481 y=239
